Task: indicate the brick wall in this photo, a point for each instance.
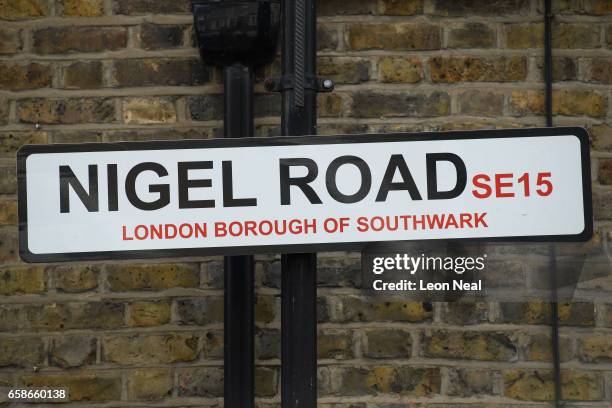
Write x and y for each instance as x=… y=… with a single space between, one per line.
x=120 y=334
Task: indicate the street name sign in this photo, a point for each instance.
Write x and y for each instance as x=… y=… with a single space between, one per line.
x=301 y=194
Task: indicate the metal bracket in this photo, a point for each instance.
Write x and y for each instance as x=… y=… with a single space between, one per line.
x=282 y=83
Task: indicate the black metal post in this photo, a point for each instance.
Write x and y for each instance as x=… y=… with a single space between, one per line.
x=299 y=277
x=554 y=304
x=239 y=353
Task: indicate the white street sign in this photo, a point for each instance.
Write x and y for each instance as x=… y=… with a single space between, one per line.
x=295 y=194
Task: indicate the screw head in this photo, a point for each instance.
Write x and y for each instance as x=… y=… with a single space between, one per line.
x=328 y=84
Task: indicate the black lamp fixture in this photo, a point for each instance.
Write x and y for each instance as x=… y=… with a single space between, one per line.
x=243 y=32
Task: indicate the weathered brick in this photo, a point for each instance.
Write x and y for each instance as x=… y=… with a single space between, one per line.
x=358 y=309
x=81 y=8
x=149 y=313
x=212 y=274
x=341 y=128
x=7 y=379
x=62 y=316
x=463 y=313
x=481 y=103
x=8 y=212
x=472 y=35
x=604 y=173
x=601 y=70
x=200 y=382
x=346 y=7
x=538 y=385
x=469 y=345
x=526 y=102
x=206 y=107
x=344 y=70
x=398 y=128
x=576 y=103
x=17 y=280
x=10 y=142
x=539 y=312
x=267 y=344
x=10 y=318
x=8 y=245
x=152 y=276
x=160 y=71
x=371 y=104
x=8 y=177
x=267 y=105
x=338 y=272
x=606 y=313
x=601 y=7
x=565 y=102
x=564 y=68
x=387 y=343
x=77 y=136
x=66 y=111
x=602 y=204
x=146 y=111
x=212 y=347
x=200 y=311
x=150 y=384
x=482 y=8
x=470 y=69
x=83 y=75
x=374 y=380
x=524 y=35
x=402 y=7
x=16 y=77
x=21 y=352
x=266 y=382
x=74 y=278
x=10 y=41
x=393 y=37
x=81 y=386
x=597 y=276
x=150 y=348
x=5 y=109
x=327 y=37
x=463 y=382
x=265 y=131
x=574 y=35
x=265 y=308
x=336 y=344
x=23 y=9
x=329 y=105
x=72 y=351
x=537 y=347
x=271 y=273
x=400 y=69
x=595 y=348
x=161 y=134
x=150 y=6
x=595 y=7
x=504 y=274
x=61 y=40
x=157 y=37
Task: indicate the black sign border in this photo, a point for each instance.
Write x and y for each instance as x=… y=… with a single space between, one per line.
x=27 y=150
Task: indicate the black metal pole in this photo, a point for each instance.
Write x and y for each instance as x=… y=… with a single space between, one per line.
x=548 y=60
x=299 y=271
x=239 y=353
x=554 y=304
